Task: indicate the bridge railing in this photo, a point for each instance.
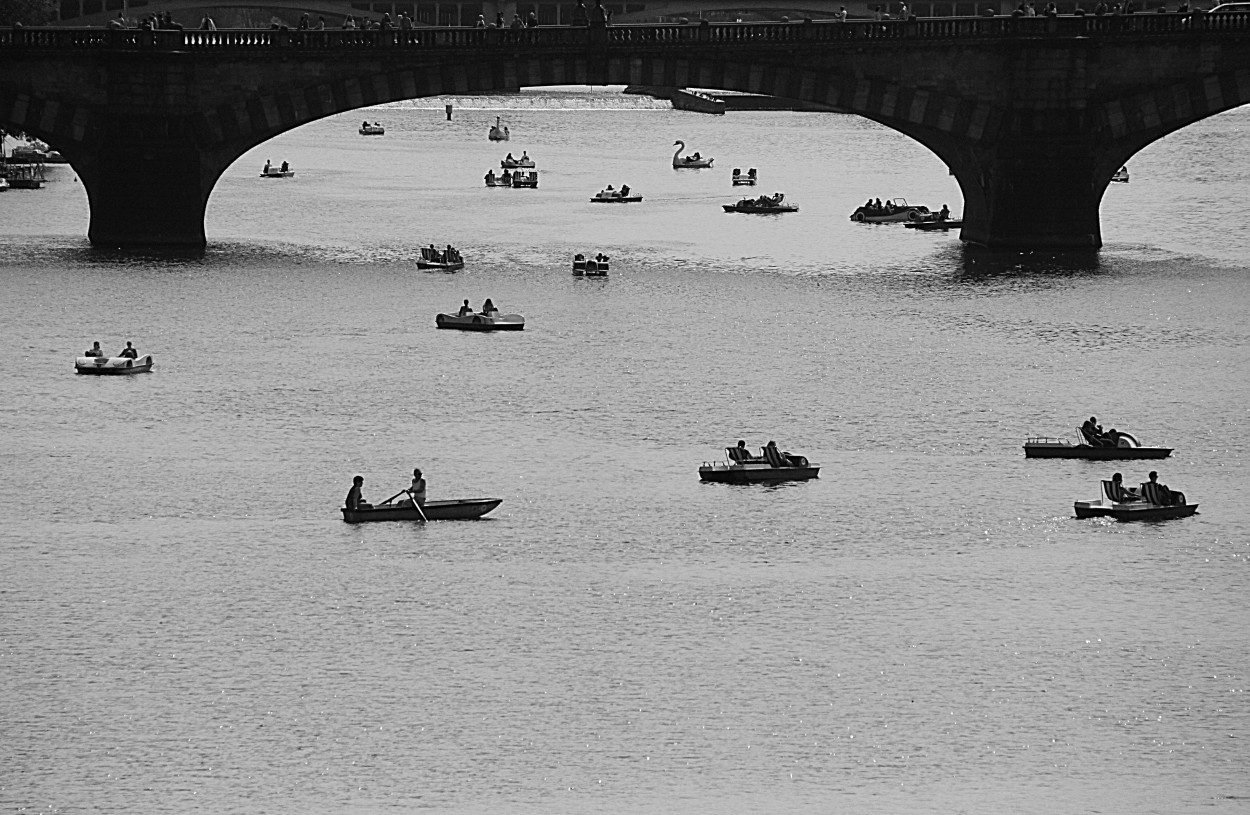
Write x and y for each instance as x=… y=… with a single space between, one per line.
x=929 y=28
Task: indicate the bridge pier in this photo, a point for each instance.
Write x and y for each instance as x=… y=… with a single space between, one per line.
x=1032 y=193
x=147 y=194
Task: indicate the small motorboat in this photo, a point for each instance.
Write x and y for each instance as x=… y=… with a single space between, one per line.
x=896 y=209
x=511 y=163
x=740 y=467
x=764 y=205
x=1150 y=506
x=375 y=129
x=498 y=132
x=460 y=509
x=1120 y=176
x=282 y=171
x=113 y=366
x=590 y=267
x=622 y=196
x=525 y=178
x=486 y=321
x=694 y=162
x=747 y=179
x=448 y=260
x=1126 y=447
x=935 y=225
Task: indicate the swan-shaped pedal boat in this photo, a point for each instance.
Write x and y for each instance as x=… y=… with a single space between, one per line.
x=1152 y=504
x=747 y=179
x=113 y=366
x=1127 y=447
x=460 y=509
x=695 y=162
x=764 y=205
x=498 y=132
x=592 y=267
x=894 y=210
x=740 y=467
x=375 y=129
x=487 y=321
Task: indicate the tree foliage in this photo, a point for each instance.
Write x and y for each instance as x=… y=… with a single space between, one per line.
x=27 y=12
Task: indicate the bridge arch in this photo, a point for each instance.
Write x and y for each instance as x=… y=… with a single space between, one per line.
x=1032 y=157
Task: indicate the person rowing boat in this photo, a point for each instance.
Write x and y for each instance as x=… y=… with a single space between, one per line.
x=356 y=500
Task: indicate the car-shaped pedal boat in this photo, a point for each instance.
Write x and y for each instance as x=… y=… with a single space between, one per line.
x=741 y=468
x=1150 y=507
x=1128 y=448
x=461 y=509
x=113 y=366
x=894 y=210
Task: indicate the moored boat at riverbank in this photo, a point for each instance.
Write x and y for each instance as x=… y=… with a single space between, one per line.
x=697 y=102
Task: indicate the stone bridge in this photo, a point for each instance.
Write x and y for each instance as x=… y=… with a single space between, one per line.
x=1032 y=115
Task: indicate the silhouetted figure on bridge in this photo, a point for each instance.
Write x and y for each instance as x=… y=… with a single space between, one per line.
x=598 y=15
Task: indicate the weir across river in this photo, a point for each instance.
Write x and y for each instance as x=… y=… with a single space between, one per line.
x=1031 y=114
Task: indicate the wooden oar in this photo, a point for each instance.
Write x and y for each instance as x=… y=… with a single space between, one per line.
x=393 y=497
x=420 y=511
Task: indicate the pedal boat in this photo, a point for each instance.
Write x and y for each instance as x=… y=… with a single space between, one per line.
x=591 y=267
x=764 y=205
x=434 y=259
x=113 y=366
x=1143 y=510
x=481 y=322
x=681 y=162
x=527 y=163
x=1129 y=448
x=902 y=211
x=277 y=172
x=525 y=179
x=615 y=197
x=754 y=470
x=747 y=179
x=461 y=509
x=375 y=129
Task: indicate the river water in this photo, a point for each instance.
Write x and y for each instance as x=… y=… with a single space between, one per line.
x=188 y=626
